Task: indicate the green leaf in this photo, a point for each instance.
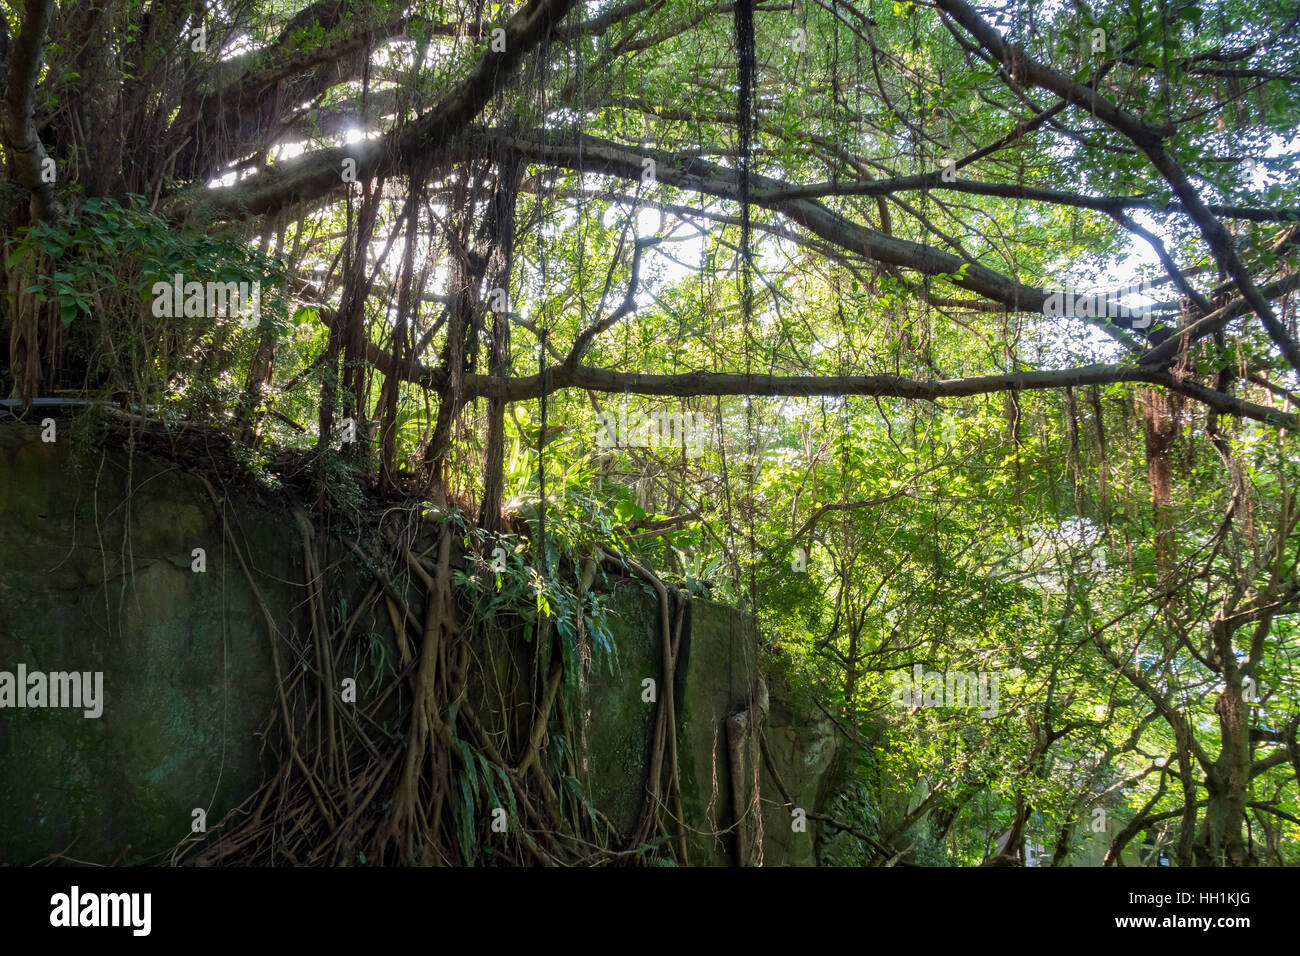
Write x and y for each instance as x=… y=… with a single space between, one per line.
x=627 y=511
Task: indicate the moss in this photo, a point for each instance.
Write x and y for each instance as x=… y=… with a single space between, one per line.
x=619 y=722
x=185 y=659
x=100 y=580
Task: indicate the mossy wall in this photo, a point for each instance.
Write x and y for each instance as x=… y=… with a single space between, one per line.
x=95 y=579
x=96 y=574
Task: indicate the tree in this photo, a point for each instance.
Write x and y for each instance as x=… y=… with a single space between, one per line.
x=466 y=217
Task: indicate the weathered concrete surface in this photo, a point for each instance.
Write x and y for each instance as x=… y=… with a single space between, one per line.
x=96 y=574
x=94 y=579
x=802 y=746
x=718 y=667
x=618 y=723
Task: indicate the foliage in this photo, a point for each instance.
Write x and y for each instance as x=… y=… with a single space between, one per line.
x=1107 y=526
x=99 y=268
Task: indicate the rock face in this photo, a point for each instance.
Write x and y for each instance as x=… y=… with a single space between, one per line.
x=97 y=573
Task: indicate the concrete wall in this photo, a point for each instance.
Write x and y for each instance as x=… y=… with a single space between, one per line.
x=94 y=579
x=96 y=553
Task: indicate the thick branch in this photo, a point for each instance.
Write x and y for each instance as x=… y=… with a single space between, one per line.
x=1059 y=197
x=721 y=383
x=19 y=123
x=591 y=155
x=1150 y=140
x=319 y=174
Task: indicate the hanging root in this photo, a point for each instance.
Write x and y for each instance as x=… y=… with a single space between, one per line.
x=663 y=742
x=413 y=772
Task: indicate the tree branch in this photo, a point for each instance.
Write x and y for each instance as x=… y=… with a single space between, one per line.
x=21 y=140
x=584 y=339
x=318 y=174
x=1149 y=139
x=722 y=383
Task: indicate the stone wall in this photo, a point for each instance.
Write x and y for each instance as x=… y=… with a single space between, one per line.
x=95 y=579
x=97 y=574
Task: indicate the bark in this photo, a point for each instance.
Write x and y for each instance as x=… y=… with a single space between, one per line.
x=501 y=230
x=696 y=383
x=23 y=146
x=27 y=163
x=406 y=305
x=1219 y=840
x=601 y=157
x=706 y=383
x=343 y=330
x=240 y=115
x=463 y=290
